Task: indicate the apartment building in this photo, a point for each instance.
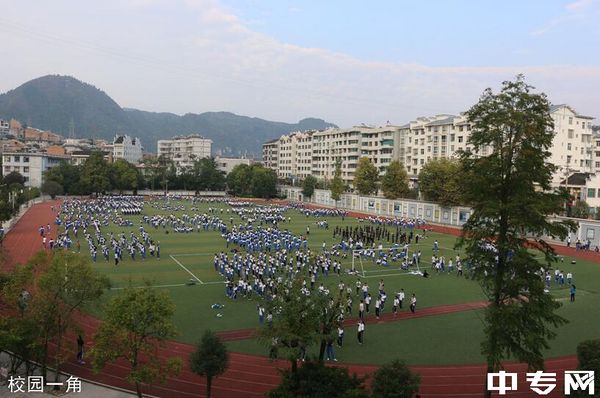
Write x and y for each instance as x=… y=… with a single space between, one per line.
x=429 y=138
x=127 y=148
x=316 y=153
x=294 y=155
x=574 y=149
x=30 y=165
x=183 y=150
x=270 y=152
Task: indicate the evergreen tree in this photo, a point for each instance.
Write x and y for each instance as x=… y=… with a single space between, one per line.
x=337 y=184
x=440 y=181
x=394 y=183
x=511 y=197
x=95 y=174
x=366 y=177
x=308 y=186
x=210 y=358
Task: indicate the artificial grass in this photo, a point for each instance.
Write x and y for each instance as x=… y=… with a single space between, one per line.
x=444 y=339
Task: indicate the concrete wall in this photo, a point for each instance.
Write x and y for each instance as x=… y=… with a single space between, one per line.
x=428 y=211
x=431 y=212
x=158 y=192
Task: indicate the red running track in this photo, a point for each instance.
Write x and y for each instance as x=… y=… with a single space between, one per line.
x=243 y=334
x=254 y=376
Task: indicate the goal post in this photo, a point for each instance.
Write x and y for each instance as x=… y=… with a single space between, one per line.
x=383 y=256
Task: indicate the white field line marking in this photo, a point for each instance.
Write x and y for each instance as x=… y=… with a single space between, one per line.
x=404 y=273
x=193 y=254
x=189 y=272
x=154 y=286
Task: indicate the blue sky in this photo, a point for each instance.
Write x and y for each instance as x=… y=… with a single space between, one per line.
x=435 y=33
x=347 y=62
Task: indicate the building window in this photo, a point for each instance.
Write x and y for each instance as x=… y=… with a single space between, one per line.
x=570 y=133
x=26 y=159
x=17 y=158
x=591 y=193
x=570 y=120
x=25 y=169
x=568 y=146
x=590 y=233
x=460 y=138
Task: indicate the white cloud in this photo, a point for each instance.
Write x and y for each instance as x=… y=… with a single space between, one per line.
x=574 y=12
x=579 y=5
x=204 y=57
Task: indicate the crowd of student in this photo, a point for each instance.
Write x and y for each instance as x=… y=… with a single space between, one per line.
x=261 y=254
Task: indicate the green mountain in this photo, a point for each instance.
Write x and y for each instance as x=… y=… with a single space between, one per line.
x=62 y=103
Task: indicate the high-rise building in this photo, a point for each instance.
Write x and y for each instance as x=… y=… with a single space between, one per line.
x=184 y=150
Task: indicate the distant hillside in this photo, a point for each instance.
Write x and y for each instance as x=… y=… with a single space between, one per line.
x=58 y=103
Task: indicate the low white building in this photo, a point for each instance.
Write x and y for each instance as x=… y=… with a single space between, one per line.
x=226 y=164
x=127 y=148
x=184 y=150
x=30 y=165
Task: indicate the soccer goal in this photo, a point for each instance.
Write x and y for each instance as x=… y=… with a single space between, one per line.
x=392 y=260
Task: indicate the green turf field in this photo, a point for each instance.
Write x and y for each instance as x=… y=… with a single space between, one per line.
x=452 y=338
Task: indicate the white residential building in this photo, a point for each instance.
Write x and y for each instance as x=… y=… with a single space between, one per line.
x=297 y=155
x=183 y=150
x=572 y=149
x=127 y=148
x=30 y=165
x=300 y=154
x=270 y=154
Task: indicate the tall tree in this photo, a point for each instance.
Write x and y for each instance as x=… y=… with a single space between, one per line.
x=308 y=186
x=239 y=180
x=511 y=197
x=52 y=188
x=124 y=175
x=337 y=184
x=207 y=176
x=95 y=173
x=366 y=177
x=264 y=182
x=394 y=183
x=296 y=320
x=68 y=176
x=210 y=359
x=70 y=284
x=136 y=325
x=440 y=181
